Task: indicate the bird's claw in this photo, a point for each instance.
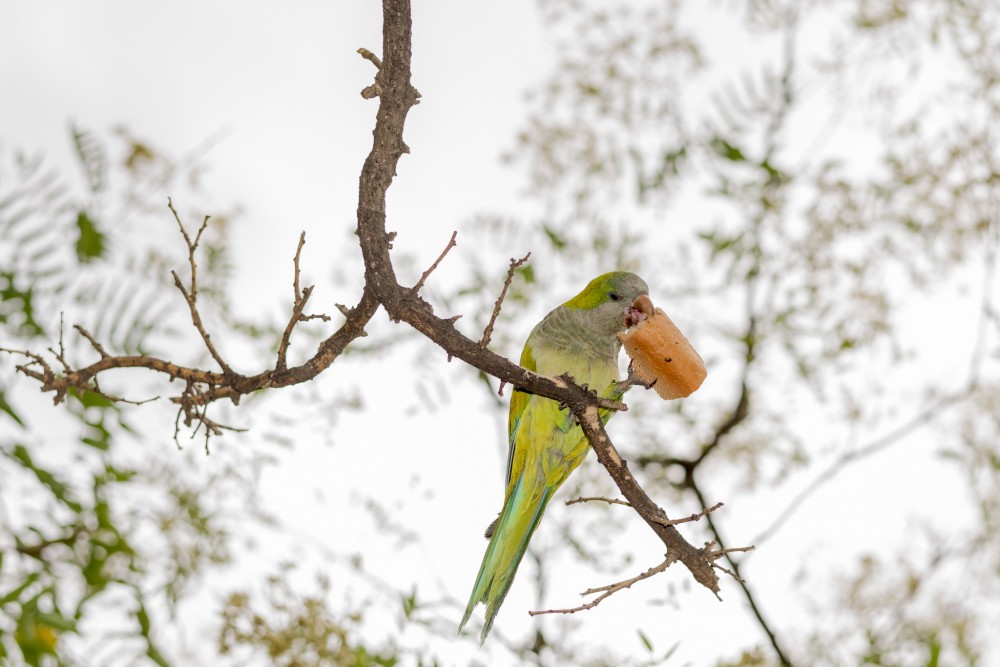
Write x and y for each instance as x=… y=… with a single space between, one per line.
x=631 y=381
x=573 y=421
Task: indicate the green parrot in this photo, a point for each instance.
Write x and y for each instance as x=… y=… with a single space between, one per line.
x=545 y=442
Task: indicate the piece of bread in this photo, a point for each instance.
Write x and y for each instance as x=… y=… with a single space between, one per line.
x=661 y=353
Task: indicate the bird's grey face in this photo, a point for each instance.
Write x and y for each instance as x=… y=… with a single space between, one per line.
x=627 y=303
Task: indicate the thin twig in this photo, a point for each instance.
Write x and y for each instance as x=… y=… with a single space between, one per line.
x=925 y=416
x=119 y=399
x=295 y=263
x=427 y=273
x=375 y=89
x=488 y=331
x=61 y=354
x=35 y=358
x=82 y=381
x=196 y=320
x=678 y=548
x=298 y=305
x=695 y=517
x=660 y=520
x=192 y=245
x=608 y=591
x=194 y=409
x=93 y=341
x=368 y=55
x=714 y=554
x=610 y=501
x=191 y=294
x=734 y=572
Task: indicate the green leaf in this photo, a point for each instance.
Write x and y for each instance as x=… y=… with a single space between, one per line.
x=10 y=293
x=99 y=436
x=15 y=593
x=114 y=474
x=934 y=649
x=6 y=407
x=96 y=444
x=645 y=640
x=57 y=621
x=410 y=603
x=152 y=652
x=93 y=158
x=90 y=244
x=58 y=488
x=728 y=150
x=558 y=242
x=774 y=175
x=139 y=154
x=721 y=242
x=142 y=616
x=89 y=399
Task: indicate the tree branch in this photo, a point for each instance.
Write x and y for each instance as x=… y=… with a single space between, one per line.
x=735 y=573
x=663 y=522
x=607 y=591
x=488 y=331
x=427 y=273
x=298 y=305
x=402 y=304
x=191 y=294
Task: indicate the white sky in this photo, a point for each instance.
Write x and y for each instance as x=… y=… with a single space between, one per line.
x=282 y=86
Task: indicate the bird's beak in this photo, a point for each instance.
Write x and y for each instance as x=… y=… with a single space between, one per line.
x=637 y=311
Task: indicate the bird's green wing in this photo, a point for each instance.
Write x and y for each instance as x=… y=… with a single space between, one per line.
x=518 y=403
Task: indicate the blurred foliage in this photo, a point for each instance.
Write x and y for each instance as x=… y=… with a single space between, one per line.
x=108 y=531
x=794 y=180
x=909 y=611
x=100 y=540
x=296 y=630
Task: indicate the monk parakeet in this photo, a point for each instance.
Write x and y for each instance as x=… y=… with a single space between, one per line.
x=545 y=442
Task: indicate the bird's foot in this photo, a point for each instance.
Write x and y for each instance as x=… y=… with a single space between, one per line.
x=631 y=381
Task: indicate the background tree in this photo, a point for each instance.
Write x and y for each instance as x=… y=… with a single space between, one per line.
x=802 y=258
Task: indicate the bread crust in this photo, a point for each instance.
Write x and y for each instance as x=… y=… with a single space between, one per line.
x=660 y=353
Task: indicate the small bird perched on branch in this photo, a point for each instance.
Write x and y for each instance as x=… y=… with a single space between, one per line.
x=580 y=338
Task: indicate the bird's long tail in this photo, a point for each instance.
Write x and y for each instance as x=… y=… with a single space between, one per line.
x=517 y=522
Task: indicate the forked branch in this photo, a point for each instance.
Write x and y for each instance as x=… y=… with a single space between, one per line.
x=607 y=591
x=298 y=306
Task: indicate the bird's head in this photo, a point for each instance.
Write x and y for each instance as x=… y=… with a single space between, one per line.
x=613 y=302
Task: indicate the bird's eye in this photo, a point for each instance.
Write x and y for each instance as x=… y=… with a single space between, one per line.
x=613 y=296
